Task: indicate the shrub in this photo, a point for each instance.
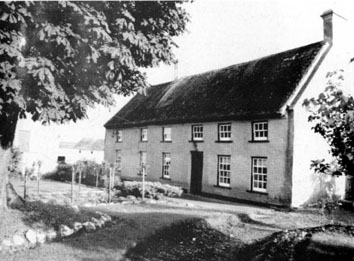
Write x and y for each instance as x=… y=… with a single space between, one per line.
x=152 y=189
x=64 y=172
x=15 y=161
x=89 y=169
x=332 y=113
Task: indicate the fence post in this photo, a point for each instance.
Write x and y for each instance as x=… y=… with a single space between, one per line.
x=38 y=176
x=25 y=184
x=143 y=171
x=97 y=172
x=72 y=182
x=80 y=174
x=113 y=175
x=110 y=183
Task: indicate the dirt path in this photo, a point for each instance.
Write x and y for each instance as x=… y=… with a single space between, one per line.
x=175 y=229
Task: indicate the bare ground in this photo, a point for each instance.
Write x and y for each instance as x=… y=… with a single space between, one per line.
x=176 y=229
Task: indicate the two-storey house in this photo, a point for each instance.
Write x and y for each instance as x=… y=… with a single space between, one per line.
x=239 y=132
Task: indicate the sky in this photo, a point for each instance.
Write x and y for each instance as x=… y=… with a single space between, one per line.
x=226 y=32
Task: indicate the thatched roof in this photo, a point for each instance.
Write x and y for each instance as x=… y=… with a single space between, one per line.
x=67 y=145
x=90 y=144
x=252 y=90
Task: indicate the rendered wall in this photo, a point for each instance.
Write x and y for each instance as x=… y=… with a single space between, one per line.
x=308 y=186
x=241 y=151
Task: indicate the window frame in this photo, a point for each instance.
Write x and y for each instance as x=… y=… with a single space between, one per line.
x=255 y=130
x=220 y=132
x=119 y=136
x=260 y=181
x=168 y=166
x=143 y=136
x=119 y=159
x=141 y=158
x=164 y=133
x=223 y=184
x=202 y=132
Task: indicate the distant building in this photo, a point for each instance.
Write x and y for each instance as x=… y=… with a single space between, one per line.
x=238 y=132
x=89 y=149
x=45 y=144
x=37 y=143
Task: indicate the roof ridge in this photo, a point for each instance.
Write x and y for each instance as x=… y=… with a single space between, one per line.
x=239 y=64
x=239 y=91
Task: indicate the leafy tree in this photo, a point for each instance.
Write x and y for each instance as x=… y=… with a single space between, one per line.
x=59 y=58
x=333 y=114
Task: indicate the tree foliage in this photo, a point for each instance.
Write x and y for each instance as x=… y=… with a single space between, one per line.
x=333 y=114
x=58 y=58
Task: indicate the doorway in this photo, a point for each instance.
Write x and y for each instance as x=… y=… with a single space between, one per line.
x=196 y=172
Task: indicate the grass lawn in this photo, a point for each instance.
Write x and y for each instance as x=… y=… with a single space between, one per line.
x=180 y=229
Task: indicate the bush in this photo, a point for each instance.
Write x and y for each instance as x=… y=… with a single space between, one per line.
x=62 y=173
x=89 y=169
x=152 y=189
x=15 y=162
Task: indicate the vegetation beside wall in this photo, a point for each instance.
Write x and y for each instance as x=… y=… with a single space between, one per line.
x=332 y=113
x=15 y=162
x=91 y=172
x=153 y=190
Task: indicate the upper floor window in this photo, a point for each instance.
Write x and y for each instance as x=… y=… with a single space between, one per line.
x=143 y=134
x=166 y=136
x=224 y=171
x=197 y=132
x=224 y=131
x=259 y=174
x=119 y=136
x=260 y=130
x=166 y=165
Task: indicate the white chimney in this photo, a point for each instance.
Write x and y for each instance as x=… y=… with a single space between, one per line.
x=336 y=28
x=339 y=32
x=327 y=17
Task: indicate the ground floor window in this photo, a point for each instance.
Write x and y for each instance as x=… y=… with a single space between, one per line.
x=224 y=171
x=166 y=165
x=118 y=160
x=259 y=174
x=142 y=163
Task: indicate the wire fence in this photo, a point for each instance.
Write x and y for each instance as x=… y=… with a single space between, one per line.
x=103 y=177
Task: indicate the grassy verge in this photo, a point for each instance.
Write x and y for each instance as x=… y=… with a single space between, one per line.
x=329 y=242
x=37 y=213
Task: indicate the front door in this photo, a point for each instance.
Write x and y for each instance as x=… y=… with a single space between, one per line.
x=197 y=172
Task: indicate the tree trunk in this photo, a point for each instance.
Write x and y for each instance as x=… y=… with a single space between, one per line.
x=8 y=121
x=4 y=160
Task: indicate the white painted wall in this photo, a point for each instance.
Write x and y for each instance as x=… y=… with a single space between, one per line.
x=42 y=144
x=307 y=144
x=74 y=155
